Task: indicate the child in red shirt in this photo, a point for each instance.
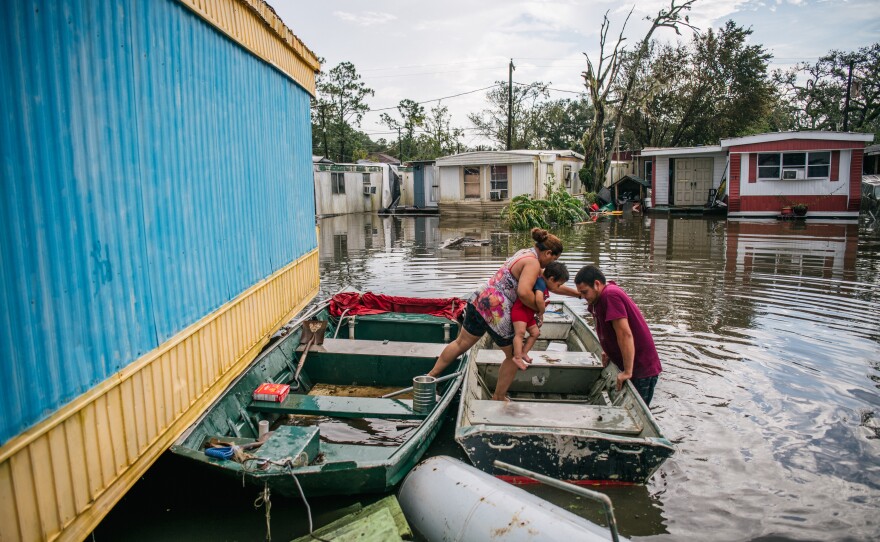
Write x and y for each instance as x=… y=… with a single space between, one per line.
x=525 y=319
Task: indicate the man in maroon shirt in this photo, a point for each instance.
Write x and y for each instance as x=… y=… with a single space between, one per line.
x=623 y=333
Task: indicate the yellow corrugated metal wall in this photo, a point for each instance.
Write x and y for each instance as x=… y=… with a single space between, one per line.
x=60 y=477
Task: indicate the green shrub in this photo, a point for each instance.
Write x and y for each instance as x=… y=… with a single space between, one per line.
x=560 y=208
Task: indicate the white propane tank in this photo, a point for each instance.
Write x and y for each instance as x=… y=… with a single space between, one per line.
x=446 y=500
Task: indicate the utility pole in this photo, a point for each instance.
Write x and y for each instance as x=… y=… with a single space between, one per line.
x=323 y=108
x=399 y=146
x=846 y=102
x=510 y=105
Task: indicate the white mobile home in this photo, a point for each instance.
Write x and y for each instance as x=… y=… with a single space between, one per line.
x=481 y=183
x=349 y=188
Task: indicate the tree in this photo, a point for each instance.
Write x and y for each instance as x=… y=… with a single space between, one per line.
x=338 y=108
x=440 y=138
x=412 y=116
x=562 y=123
x=816 y=93
x=689 y=94
x=609 y=86
x=491 y=123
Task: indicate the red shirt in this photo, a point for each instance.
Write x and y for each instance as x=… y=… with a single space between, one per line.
x=614 y=304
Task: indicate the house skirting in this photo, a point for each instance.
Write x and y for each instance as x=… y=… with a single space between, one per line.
x=472 y=209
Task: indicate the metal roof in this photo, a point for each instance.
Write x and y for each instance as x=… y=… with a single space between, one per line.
x=503 y=157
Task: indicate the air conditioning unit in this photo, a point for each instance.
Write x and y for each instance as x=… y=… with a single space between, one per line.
x=368 y=190
x=792 y=174
x=497 y=195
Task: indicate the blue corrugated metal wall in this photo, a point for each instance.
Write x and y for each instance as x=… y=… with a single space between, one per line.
x=152 y=170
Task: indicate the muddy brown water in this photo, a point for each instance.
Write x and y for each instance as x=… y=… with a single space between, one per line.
x=769 y=334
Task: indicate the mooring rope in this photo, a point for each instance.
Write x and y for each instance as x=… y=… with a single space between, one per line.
x=306 y=502
x=263 y=500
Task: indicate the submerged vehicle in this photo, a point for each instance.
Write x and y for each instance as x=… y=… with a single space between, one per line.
x=565 y=418
x=335 y=433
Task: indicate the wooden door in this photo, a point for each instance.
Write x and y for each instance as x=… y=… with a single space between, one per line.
x=702 y=179
x=684 y=181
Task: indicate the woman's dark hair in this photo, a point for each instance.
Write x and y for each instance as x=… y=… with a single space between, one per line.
x=545 y=240
x=589 y=274
x=557 y=271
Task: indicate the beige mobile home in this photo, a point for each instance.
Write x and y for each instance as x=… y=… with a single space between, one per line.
x=480 y=184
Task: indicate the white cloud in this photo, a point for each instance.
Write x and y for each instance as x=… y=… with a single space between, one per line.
x=425 y=50
x=366 y=18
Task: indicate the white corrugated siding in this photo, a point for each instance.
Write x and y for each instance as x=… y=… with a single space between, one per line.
x=353 y=201
x=719 y=169
x=522 y=180
x=450 y=183
x=661 y=186
x=431 y=198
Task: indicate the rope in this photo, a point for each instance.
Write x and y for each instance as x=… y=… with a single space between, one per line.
x=306 y=502
x=263 y=500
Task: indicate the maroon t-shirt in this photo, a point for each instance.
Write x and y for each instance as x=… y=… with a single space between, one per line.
x=612 y=305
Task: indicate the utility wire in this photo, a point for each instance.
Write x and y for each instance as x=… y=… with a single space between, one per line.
x=554 y=89
x=438 y=99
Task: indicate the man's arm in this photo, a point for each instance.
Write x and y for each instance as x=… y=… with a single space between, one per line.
x=564 y=290
x=627 y=349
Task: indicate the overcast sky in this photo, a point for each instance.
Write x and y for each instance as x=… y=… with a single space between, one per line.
x=426 y=50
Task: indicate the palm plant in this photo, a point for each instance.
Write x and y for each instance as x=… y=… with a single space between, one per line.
x=560 y=208
x=525 y=213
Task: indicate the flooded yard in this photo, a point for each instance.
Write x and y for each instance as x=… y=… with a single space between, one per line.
x=769 y=334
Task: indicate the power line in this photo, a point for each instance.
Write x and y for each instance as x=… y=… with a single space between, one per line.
x=438 y=99
x=554 y=89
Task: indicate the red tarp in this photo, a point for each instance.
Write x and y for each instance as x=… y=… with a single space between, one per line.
x=370 y=303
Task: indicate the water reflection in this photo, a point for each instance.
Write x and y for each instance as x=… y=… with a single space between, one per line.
x=771 y=347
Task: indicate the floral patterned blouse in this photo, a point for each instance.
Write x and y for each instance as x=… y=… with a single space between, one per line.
x=494 y=299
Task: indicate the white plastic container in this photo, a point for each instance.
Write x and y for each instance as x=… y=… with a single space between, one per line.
x=447 y=500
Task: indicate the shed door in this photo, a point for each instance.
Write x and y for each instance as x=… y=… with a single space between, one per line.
x=472 y=182
x=693 y=179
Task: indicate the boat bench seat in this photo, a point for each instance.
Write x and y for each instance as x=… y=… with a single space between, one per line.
x=339 y=407
x=605 y=419
x=361 y=347
x=544 y=358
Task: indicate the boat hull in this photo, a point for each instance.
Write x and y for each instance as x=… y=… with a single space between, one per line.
x=566 y=455
x=565 y=420
x=336 y=434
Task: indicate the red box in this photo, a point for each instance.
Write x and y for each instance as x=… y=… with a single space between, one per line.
x=271 y=392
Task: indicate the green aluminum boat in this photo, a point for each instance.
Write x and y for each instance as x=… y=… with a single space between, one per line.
x=335 y=433
x=565 y=418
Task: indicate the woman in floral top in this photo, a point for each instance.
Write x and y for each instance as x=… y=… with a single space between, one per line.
x=488 y=308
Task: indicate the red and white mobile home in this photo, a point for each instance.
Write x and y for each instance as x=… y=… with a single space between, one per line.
x=765 y=173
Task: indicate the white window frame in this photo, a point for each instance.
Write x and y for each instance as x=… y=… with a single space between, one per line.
x=781 y=165
x=498 y=184
x=465 y=184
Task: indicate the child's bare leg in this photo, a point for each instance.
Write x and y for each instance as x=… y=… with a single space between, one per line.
x=534 y=333
x=519 y=333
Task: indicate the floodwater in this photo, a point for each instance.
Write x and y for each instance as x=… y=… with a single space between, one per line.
x=769 y=333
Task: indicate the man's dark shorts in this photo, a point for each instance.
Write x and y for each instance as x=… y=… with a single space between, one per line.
x=645 y=387
x=474 y=324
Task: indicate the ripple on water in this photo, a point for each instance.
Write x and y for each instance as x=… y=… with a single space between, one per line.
x=770 y=341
